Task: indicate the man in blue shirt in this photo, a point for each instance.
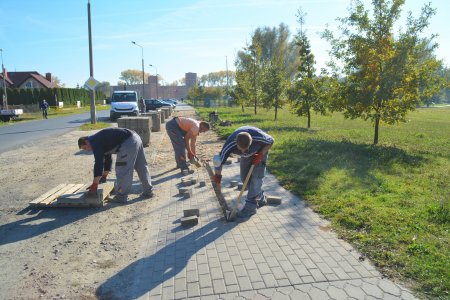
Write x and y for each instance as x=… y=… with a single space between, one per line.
x=130 y=156
x=253 y=145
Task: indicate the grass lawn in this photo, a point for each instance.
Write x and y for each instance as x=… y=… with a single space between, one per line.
x=391 y=201
x=55 y=112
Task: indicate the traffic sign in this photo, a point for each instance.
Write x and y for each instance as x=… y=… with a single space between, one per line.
x=91 y=83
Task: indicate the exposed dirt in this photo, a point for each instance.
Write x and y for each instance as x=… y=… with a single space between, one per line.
x=57 y=253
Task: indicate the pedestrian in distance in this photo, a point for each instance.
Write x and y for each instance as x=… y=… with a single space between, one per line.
x=183 y=134
x=253 y=145
x=44 y=109
x=130 y=156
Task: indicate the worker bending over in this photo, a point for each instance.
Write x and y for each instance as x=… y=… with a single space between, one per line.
x=127 y=144
x=183 y=134
x=253 y=145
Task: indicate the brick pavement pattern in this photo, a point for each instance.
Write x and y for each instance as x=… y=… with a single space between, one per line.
x=282 y=252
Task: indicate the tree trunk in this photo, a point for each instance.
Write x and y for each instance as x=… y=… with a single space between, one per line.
x=309 y=118
x=242 y=106
x=276 y=112
x=377 y=123
x=255 y=105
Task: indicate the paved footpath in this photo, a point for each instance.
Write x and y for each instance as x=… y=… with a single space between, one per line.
x=282 y=252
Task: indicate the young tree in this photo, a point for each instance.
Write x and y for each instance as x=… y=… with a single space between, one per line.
x=133 y=76
x=273 y=85
x=305 y=92
x=385 y=74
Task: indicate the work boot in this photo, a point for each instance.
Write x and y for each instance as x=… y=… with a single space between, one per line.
x=247 y=211
x=262 y=202
x=118 y=198
x=147 y=195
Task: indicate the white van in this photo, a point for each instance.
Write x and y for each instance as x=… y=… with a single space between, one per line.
x=124 y=103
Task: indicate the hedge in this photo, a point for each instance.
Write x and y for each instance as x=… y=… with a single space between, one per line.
x=66 y=95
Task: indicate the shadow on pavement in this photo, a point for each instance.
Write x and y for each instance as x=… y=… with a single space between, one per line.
x=145 y=274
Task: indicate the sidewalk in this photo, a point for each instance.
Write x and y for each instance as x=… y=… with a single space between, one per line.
x=282 y=252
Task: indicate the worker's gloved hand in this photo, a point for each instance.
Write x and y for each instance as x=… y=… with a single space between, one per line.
x=257 y=158
x=103 y=179
x=217 y=179
x=93 y=188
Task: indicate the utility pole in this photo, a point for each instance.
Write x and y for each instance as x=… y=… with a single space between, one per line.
x=143 y=73
x=5 y=95
x=91 y=66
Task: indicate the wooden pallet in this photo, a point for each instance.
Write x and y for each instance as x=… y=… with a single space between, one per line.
x=72 y=195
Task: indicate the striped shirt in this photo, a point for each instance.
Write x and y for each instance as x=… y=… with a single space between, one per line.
x=259 y=140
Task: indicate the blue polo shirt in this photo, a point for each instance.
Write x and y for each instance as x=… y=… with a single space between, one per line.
x=104 y=143
x=259 y=140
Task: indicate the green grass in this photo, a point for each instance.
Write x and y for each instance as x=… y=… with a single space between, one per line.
x=391 y=201
x=98 y=125
x=54 y=112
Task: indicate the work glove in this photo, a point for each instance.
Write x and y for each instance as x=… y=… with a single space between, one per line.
x=102 y=179
x=92 y=190
x=217 y=179
x=257 y=158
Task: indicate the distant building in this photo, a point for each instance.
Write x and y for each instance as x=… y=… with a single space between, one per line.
x=153 y=89
x=27 y=80
x=191 y=79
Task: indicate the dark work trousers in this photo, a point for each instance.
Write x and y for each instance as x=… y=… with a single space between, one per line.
x=255 y=192
x=176 y=136
x=130 y=156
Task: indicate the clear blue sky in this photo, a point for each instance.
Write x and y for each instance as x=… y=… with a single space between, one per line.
x=178 y=36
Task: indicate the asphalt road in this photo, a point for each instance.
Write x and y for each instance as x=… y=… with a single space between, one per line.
x=16 y=135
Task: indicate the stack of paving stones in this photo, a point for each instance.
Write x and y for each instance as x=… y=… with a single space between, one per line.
x=156 y=119
x=166 y=111
x=162 y=115
x=141 y=125
x=284 y=251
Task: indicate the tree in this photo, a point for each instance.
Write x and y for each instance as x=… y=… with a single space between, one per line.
x=57 y=82
x=104 y=87
x=273 y=85
x=258 y=57
x=385 y=74
x=133 y=76
x=305 y=93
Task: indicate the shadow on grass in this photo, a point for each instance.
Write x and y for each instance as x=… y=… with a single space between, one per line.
x=299 y=164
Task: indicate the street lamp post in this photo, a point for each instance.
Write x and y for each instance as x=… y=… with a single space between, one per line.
x=5 y=95
x=156 y=79
x=143 y=74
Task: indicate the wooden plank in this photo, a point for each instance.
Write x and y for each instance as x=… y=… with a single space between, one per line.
x=47 y=194
x=77 y=195
x=80 y=200
x=56 y=195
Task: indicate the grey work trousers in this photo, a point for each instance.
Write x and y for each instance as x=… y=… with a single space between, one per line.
x=255 y=191
x=130 y=156
x=176 y=136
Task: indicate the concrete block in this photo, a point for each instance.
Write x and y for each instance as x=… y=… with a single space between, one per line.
x=191 y=212
x=187 y=194
x=202 y=184
x=184 y=190
x=234 y=183
x=273 y=200
x=189 y=221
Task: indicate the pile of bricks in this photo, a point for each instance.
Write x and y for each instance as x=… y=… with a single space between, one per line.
x=156 y=119
x=141 y=125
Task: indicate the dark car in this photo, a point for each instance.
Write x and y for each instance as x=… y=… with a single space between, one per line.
x=153 y=104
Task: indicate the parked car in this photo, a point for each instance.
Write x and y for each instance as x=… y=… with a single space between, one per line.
x=171 y=101
x=123 y=103
x=167 y=101
x=153 y=104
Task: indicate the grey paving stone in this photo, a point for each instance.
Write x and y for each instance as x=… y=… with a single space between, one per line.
x=219 y=286
x=372 y=290
x=269 y=280
x=230 y=278
x=296 y=295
